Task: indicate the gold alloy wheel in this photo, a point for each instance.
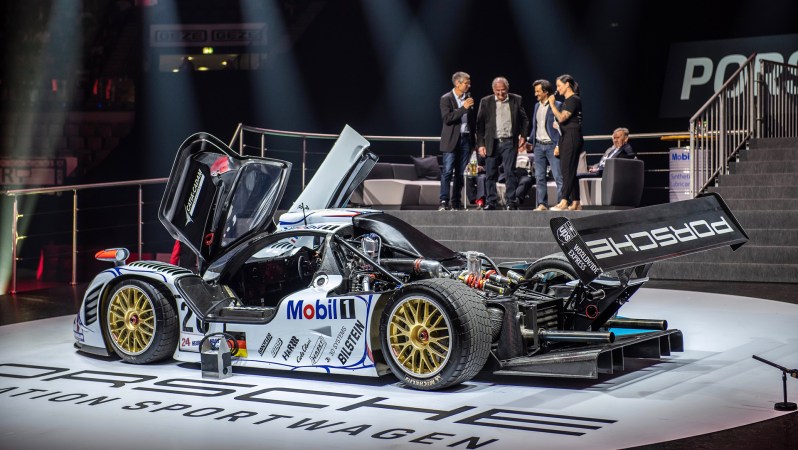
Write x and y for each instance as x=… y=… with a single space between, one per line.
x=131 y=320
x=419 y=335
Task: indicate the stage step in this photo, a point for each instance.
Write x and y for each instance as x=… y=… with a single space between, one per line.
x=765 y=167
x=769 y=154
x=786 y=142
x=755 y=192
x=768 y=204
x=750 y=179
x=721 y=271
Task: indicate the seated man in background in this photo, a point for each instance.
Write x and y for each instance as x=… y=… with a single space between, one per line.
x=475 y=188
x=620 y=149
x=523 y=166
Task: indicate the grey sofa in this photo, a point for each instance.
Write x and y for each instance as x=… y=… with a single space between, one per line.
x=397 y=186
x=393 y=186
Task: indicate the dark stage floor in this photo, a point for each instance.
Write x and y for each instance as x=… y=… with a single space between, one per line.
x=777 y=433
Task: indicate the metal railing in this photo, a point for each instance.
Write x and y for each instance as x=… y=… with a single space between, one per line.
x=17 y=193
x=751 y=104
x=243 y=142
x=777 y=108
x=239 y=141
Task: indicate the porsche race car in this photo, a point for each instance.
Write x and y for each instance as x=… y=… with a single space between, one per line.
x=327 y=288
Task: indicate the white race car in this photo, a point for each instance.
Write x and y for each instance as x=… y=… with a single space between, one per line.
x=360 y=292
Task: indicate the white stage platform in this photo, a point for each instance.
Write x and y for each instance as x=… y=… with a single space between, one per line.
x=53 y=397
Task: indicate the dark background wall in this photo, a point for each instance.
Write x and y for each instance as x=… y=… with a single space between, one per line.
x=381 y=65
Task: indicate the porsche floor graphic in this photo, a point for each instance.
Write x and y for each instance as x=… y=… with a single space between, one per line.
x=53 y=397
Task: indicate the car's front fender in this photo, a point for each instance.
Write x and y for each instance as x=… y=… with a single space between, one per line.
x=87 y=326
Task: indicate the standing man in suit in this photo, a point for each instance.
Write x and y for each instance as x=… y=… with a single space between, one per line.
x=502 y=127
x=620 y=149
x=457 y=139
x=544 y=137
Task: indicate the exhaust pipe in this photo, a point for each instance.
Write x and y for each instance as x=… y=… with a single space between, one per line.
x=416 y=266
x=637 y=324
x=593 y=337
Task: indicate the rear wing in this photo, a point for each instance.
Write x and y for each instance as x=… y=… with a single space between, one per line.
x=629 y=238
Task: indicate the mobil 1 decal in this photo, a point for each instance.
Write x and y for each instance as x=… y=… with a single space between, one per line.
x=321 y=309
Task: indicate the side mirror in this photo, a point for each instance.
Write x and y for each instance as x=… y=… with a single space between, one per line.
x=117 y=255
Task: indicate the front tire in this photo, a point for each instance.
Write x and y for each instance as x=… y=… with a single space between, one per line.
x=140 y=322
x=435 y=334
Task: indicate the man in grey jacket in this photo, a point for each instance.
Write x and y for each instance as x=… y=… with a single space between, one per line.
x=502 y=127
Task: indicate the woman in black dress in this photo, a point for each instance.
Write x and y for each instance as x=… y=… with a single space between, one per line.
x=571 y=142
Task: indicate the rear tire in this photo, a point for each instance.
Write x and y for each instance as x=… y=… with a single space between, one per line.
x=549 y=271
x=140 y=322
x=435 y=334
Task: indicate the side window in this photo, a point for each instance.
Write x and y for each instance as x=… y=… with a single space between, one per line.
x=253 y=198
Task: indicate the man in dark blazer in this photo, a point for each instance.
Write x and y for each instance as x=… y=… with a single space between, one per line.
x=620 y=149
x=502 y=127
x=457 y=139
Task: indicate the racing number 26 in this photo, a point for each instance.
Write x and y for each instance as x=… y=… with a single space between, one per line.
x=201 y=326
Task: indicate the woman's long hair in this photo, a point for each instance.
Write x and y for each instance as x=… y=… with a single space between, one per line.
x=569 y=80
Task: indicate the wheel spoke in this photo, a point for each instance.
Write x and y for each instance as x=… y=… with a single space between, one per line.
x=421 y=310
x=439 y=331
x=402 y=323
x=433 y=324
x=438 y=348
x=402 y=349
x=123 y=336
x=145 y=329
x=426 y=362
x=138 y=341
x=416 y=362
x=142 y=303
x=117 y=309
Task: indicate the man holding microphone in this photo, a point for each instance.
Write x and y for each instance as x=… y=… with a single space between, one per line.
x=457 y=139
